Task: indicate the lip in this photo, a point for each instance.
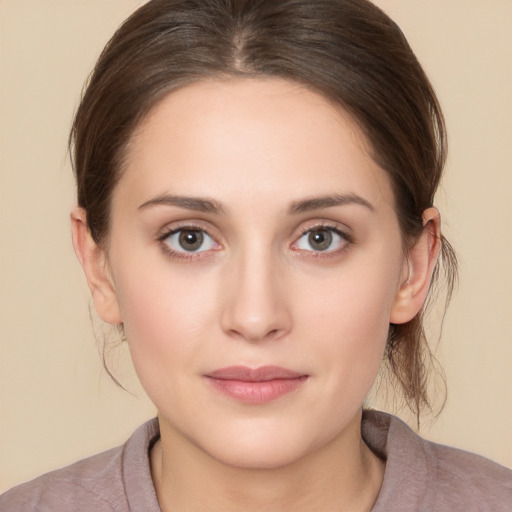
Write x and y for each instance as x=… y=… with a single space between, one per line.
x=255 y=385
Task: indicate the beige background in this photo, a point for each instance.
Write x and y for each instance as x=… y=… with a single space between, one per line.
x=56 y=404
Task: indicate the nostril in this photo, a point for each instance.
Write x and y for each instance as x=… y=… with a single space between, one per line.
x=272 y=334
x=255 y=335
x=254 y=310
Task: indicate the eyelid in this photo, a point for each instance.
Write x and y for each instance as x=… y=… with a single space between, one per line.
x=189 y=225
x=342 y=229
x=335 y=227
x=178 y=225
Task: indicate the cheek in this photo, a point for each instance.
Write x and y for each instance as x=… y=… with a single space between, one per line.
x=349 y=317
x=358 y=297
x=357 y=340
x=165 y=316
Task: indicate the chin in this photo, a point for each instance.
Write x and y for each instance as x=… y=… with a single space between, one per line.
x=263 y=457
x=264 y=444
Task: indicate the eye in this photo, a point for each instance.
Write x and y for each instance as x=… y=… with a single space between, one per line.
x=189 y=241
x=321 y=239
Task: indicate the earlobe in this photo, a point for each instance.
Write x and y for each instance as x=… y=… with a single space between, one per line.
x=93 y=259
x=419 y=267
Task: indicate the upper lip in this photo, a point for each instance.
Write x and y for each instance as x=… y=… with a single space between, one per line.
x=260 y=374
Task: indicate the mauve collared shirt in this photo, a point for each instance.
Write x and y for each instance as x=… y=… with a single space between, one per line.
x=420 y=476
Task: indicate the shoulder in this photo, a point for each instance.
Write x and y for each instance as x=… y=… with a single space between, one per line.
x=97 y=483
x=67 y=488
x=484 y=484
x=422 y=475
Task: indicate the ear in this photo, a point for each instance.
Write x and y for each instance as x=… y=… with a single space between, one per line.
x=94 y=261
x=418 y=269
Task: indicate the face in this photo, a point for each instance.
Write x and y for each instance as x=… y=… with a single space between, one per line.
x=256 y=258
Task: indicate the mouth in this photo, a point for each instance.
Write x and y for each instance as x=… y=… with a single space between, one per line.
x=255 y=385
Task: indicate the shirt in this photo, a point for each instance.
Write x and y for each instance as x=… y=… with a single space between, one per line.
x=419 y=476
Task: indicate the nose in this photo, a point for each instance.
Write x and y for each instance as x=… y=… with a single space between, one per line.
x=255 y=306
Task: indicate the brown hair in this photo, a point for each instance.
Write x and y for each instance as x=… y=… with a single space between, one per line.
x=346 y=50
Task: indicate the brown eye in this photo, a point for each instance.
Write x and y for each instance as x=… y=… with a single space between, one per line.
x=320 y=239
x=191 y=240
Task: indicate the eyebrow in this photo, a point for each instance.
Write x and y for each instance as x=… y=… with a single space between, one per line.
x=317 y=203
x=198 y=204
x=205 y=205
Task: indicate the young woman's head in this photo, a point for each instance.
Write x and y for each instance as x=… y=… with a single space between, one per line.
x=255 y=182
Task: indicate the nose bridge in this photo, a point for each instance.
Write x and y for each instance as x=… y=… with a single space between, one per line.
x=255 y=308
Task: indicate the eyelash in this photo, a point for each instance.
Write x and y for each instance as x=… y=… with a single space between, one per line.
x=329 y=253
x=192 y=256
x=182 y=255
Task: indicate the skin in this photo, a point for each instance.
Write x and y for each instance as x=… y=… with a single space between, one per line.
x=257 y=292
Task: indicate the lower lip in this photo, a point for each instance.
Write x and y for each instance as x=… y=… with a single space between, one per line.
x=259 y=392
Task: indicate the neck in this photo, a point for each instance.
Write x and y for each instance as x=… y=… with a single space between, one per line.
x=343 y=475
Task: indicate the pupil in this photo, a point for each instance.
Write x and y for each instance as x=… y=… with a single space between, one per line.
x=191 y=240
x=320 y=240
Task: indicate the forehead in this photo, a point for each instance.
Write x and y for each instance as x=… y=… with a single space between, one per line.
x=244 y=136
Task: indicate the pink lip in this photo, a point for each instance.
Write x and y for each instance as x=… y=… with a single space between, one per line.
x=255 y=385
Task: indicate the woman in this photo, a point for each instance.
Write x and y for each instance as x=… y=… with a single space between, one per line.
x=255 y=188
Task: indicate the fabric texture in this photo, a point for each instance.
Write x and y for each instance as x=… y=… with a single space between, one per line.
x=420 y=476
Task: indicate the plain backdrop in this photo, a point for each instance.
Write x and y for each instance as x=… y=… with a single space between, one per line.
x=56 y=402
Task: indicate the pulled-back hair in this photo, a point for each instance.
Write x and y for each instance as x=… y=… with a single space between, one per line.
x=346 y=50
